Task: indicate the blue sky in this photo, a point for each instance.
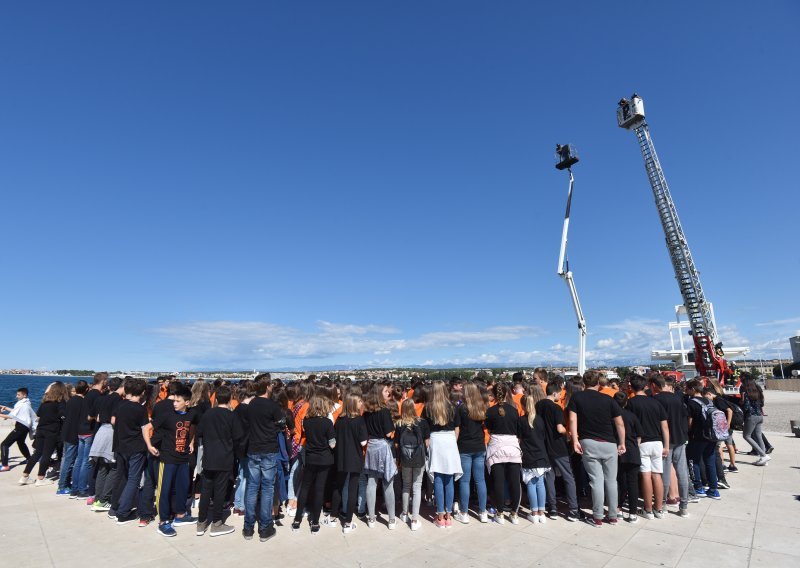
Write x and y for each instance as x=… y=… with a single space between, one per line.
x=286 y=184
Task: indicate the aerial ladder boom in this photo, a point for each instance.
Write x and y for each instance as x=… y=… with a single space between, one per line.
x=709 y=358
x=565 y=159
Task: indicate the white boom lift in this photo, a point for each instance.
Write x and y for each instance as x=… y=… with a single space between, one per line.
x=566 y=157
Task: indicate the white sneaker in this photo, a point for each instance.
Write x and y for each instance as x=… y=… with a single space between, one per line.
x=498 y=518
x=649 y=515
x=404 y=518
x=514 y=519
x=25 y=480
x=541 y=519
x=291 y=512
x=532 y=518
x=416 y=525
x=462 y=518
x=392 y=524
x=349 y=528
x=484 y=517
x=765 y=459
x=330 y=520
x=43 y=482
x=370 y=522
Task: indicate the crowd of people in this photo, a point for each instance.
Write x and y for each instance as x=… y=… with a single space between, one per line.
x=316 y=452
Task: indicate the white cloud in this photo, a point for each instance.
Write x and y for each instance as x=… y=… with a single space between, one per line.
x=232 y=342
x=781 y=322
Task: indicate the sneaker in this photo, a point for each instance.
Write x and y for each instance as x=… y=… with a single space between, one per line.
x=514 y=518
x=613 y=521
x=448 y=521
x=765 y=459
x=370 y=522
x=90 y=501
x=683 y=513
x=101 y=507
x=125 y=519
x=722 y=484
x=392 y=524
x=184 y=520
x=498 y=518
x=265 y=534
x=64 y=492
x=165 y=529
x=314 y=528
x=348 y=528
x=573 y=516
x=202 y=527
x=218 y=528
x=112 y=516
x=700 y=492
x=770 y=450
x=733 y=469
x=5 y=468
x=143 y=522
x=658 y=514
x=634 y=518
x=649 y=515
x=484 y=517
x=552 y=515
x=79 y=495
x=25 y=480
x=330 y=521
x=694 y=499
x=673 y=501
x=492 y=511
x=714 y=495
x=43 y=482
x=415 y=525
x=532 y=518
x=440 y=523
x=247 y=533
x=462 y=518
x=404 y=518
x=455 y=506
x=295 y=526
x=239 y=512
x=541 y=519
x=291 y=511
x=596 y=523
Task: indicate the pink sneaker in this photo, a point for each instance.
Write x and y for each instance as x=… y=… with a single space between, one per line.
x=448 y=522
x=440 y=524
x=90 y=501
x=5 y=468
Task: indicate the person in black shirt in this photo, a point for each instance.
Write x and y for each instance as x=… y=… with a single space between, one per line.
x=73 y=416
x=630 y=461
x=411 y=438
x=351 y=437
x=320 y=441
x=87 y=430
x=700 y=450
x=51 y=416
x=472 y=451
x=653 y=448
x=503 y=454
x=176 y=432
x=598 y=435
x=130 y=449
x=535 y=465
x=663 y=389
x=102 y=450
x=265 y=420
x=219 y=431
x=557 y=454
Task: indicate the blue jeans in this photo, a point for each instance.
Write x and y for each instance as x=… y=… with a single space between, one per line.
x=82 y=469
x=536 y=493
x=238 y=497
x=473 y=466
x=697 y=450
x=67 y=463
x=443 y=492
x=261 y=472
x=129 y=468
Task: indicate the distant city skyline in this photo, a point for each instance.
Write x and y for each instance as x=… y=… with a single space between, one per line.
x=275 y=185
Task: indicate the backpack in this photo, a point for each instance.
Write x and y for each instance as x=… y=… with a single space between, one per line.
x=715 y=425
x=737 y=419
x=412 y=450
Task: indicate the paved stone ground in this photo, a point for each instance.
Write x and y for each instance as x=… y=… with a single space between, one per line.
x=781 y=407
x=757 y=523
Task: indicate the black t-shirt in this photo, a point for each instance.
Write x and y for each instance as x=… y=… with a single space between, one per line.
x=240 y=417
x=51 y=416
x=470 y=432
x=219 y=430
x=88 y=423
x=532 y=442
x=632 y=432
x=650 y=414
x=350 y=432
x=73 y=416
x=379 y=424
x=596 y=413
x=450 y=426
x=502 y=425
x=174 y=431
x=107 y=406
x=696 y=414
x=265 y=420
x=319 y=432
x=552 y=416
x=129 y=419
x=677 y=417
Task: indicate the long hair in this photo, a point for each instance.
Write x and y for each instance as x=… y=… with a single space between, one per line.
x=374 y=400
x=56 y=392
x=200 y=393
x=439 y=407
x=350 y=403
x=533 y=395
x=501 y=395
x=408 y=413
x=714 y=384
x=319 y=405
x=474 y=402
x=751 y=388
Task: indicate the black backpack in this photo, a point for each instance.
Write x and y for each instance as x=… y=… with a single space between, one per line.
x=412 y=449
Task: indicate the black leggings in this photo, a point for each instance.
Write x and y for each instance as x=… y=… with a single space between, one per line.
x=628 y=483
x=345 y=480
x=502 y=473
x=312 y=492
x=17 y=435
x=42 y=452
x=212 y=491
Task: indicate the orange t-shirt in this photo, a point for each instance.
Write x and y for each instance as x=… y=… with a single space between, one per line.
x=608 y=391
x=517 y=398
x=562 y=400
x=338 y=412
x=419 y=406
x=299 y=433
x=233 y=403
